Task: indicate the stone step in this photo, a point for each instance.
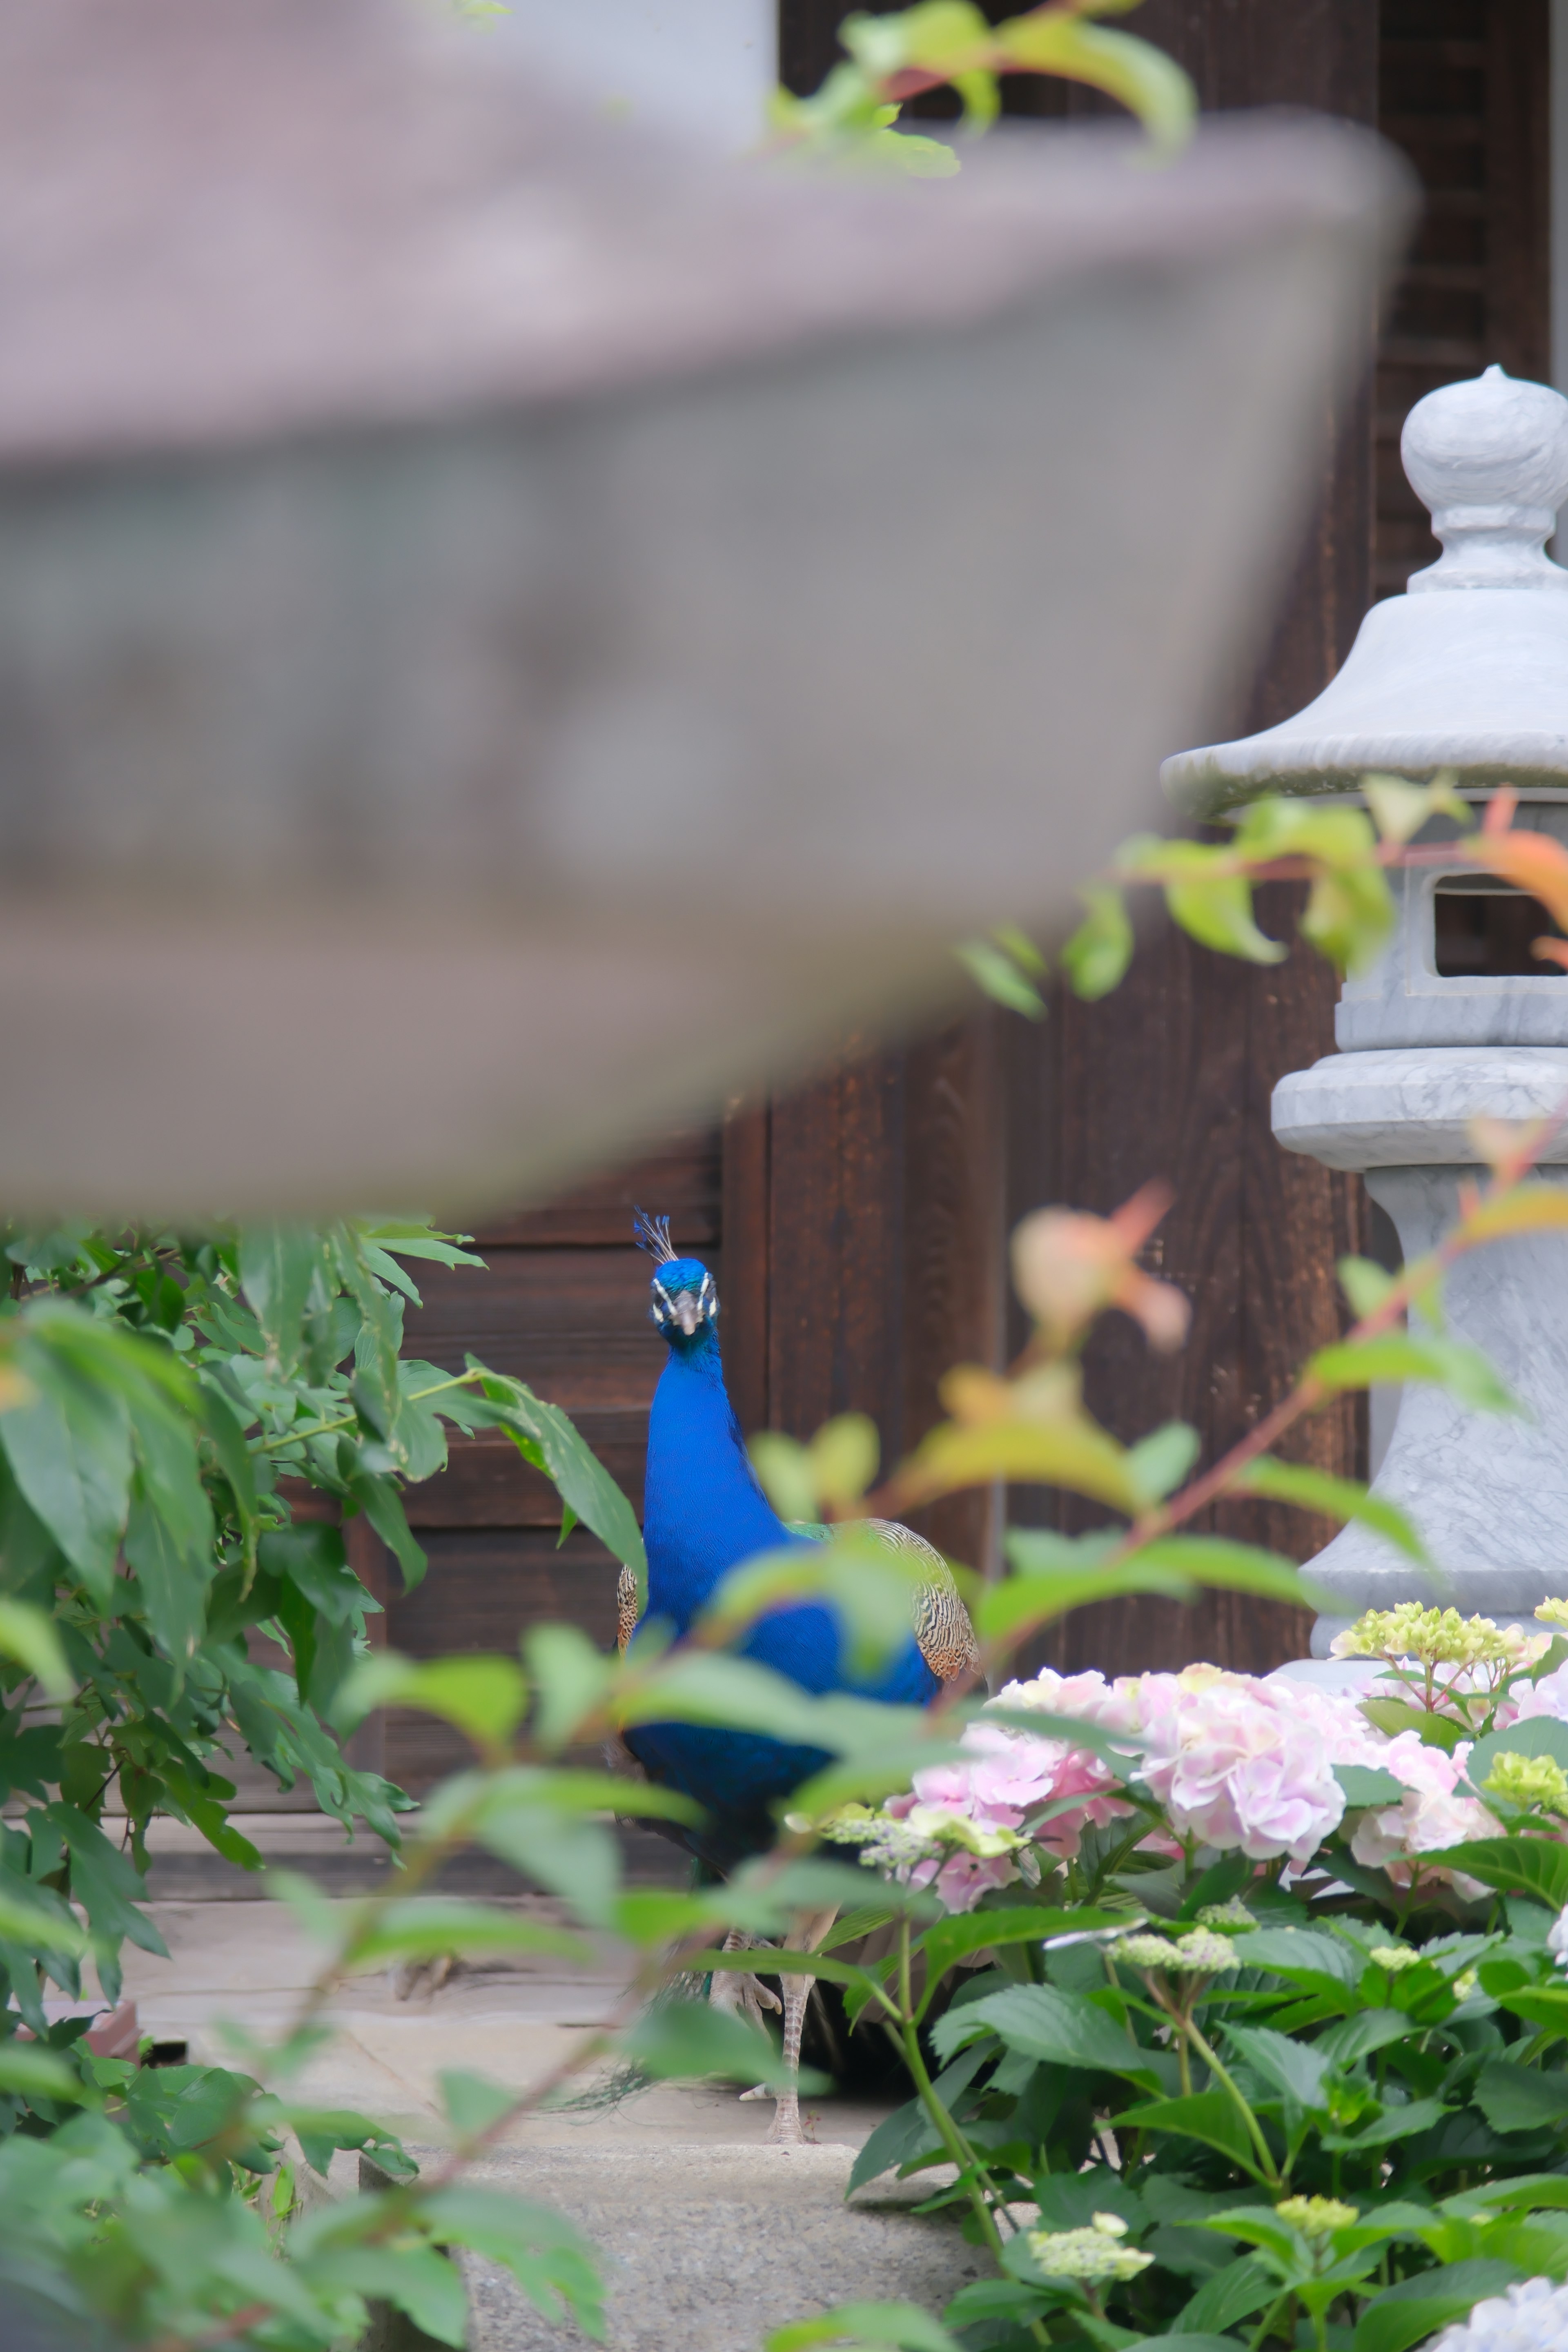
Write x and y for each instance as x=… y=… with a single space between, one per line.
x=709 y=2246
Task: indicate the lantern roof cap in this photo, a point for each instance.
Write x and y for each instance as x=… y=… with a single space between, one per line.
x=1467 y=670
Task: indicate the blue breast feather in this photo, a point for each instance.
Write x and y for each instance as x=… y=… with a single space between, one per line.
x=703 y=1514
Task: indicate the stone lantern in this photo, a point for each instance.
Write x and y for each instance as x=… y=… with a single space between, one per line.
x=1467 y=671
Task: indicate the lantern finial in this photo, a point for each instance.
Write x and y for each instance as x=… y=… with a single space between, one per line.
x=1489 y=459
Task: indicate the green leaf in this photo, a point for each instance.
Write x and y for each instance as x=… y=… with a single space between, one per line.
x=857 y=2323
x=785 y=1476
x=1058 y=2028
x=1097 y=956
x=1540 y=1735
x=1336 y=1498
x=69 y=1452
x=483 y=1696
x=36 y=2072
x=1463 y=1372
x=1136 y=73
x=1216 y=911
x=172 y=1581
x=553 y=2264
x=578 y=1475
x=203 y=1810
x=843 y=1457
x=1294 y=2068
x=36 y=1918
x=29 y=1635
x=1365 y=1284
x=1433 y=1729
x=471 y=2103
x=688 y=1688
x=1521 y=2098
x=954 y=1939
x=1003 y=2299
x=417 y=1237
x=1358 y=2036
x=1521 y=1866
x=1005 y=1612
x=571 y=1680
x=1068 y=1450
x=870 y=1775
x=689 y=2041
x=224 y=1428
x=909 y=2132
x=1231 y=2295
x=379 y=1499
x=1368 y=1784
x=1415 y=2309
x=1211 y=2116
x=1407 y=2122
x=998 y=976
x=1190 y=2339
x=1159 y=1462
x=1231 y=1567
x=1546 y=2007
x=320 y=2130
x=418 y=2280
x=108 y=1886
x=870 y=1587
x=1316 y=1962
x=276 y=1266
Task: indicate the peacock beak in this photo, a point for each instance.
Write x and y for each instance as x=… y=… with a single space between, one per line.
x=688 y=1309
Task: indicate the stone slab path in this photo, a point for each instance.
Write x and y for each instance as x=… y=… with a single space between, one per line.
x=712 y=2237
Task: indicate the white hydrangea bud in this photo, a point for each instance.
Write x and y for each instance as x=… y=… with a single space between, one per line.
x=1557 y=1941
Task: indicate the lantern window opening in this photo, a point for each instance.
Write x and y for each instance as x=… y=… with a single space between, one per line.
x=1484 y=928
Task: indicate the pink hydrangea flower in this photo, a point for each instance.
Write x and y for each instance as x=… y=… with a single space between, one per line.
x=960 y=1879
x=1430 y=1816
x=1548 y=1697
x=1240 y=1764
x=1008 y=1774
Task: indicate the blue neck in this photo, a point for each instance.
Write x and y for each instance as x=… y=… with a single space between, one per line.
x=703 y=1510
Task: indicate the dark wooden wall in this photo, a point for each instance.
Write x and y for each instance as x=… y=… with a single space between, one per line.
x=856 y=1226
x=1464 y=90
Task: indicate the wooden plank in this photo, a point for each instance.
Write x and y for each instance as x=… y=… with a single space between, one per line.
x=1469 y=108
x=488 y=1484
x=834 y=1253
x=681 y=1181
x=483 y=1590
x=743 y=1302
x=955 y=1252
x=884 y=1200
x=1170 y=1076
x=571 y=1323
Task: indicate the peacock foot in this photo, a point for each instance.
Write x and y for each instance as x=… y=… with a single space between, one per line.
x=787 y=2130
x=740 y=1993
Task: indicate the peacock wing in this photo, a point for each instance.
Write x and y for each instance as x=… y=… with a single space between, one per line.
x=942 y=1631
x=626 y=1608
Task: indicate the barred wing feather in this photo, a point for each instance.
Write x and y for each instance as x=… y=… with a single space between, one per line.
x=943 y=1630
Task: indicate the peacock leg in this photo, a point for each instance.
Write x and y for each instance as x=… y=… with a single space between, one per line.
x=743 y=1994
x=804 y=1935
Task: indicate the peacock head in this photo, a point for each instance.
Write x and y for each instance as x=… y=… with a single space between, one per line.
x=684 y=1301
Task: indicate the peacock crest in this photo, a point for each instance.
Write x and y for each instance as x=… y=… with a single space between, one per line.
x=652 y=1233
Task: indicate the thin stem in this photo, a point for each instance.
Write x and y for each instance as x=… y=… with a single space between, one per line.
x=1254 y=2130
x=977 y=2181
x=351 y=1420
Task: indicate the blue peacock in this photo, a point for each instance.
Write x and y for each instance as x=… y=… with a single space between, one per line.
x=704 y=1513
